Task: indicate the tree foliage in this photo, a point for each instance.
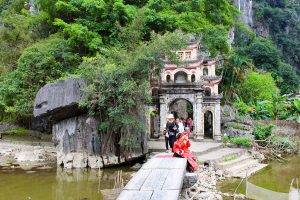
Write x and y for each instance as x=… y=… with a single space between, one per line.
x=39 y=64
x=258 y=86
x=119 y=83
x=280 y=17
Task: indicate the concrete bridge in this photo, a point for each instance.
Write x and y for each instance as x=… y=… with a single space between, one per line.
x=160 y=178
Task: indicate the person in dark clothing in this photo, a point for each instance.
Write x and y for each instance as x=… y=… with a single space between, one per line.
x=171 y=130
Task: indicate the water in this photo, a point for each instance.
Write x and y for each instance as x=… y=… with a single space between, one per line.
x=276 y=176
x=57 y=184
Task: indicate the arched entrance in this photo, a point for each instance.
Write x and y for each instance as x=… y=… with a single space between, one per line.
x=208 y=124
x=181 y=108
x=181 y=77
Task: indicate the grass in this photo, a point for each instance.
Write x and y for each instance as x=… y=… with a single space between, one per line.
x=18 y=131
x=236 y=126
x=229 y=158
x=242 y=141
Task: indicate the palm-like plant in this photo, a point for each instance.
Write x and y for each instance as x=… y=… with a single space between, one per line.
x=233 y=71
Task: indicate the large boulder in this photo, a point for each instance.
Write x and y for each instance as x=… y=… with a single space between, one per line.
x=59 y=100
x=77 y=141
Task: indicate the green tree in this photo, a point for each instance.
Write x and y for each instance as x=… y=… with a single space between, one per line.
x=264 y=54
x=258 y=86
x=39 y=64
x=119 y=85
x=290 y=79
x=233 y=71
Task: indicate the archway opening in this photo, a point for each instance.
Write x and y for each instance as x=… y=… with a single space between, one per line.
x=168 y=78
x=193 y=78
x=208 y=124
x=207 y=92
x=181 y=108
x=181 y=77
x=205 y=71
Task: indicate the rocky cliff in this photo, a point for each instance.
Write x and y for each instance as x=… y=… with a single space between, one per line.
x=76 y=136
x=246 y=9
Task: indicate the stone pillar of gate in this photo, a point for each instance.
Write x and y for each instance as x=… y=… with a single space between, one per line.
x=163 y=114
x=217 y=122
x=198 y=118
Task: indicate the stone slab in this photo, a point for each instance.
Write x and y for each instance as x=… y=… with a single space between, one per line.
x=174 y=179
x=156 y=180
x=165 y=163
x=135 y=195
x=137 y=180
x=220 y=154
x=166 y=195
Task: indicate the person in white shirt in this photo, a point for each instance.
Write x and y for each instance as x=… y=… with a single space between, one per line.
x=180 y=126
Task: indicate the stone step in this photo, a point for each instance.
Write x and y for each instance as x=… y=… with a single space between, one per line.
x=231 y=163
x=238 y=168
x=219 y=155
x=200 y=148
x=251 y=171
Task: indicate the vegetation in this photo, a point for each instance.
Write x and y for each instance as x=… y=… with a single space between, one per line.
x=278 y=108
x=88 y=30
x=263 y=131
x=39 y=64
x=281 y=21
x=19 y=131
x=229 y=158
x=258 y=86
x=118 y=45
x=242 y=141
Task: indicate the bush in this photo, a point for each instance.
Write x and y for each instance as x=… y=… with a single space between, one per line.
x=225 y=138
x=262 y=131
x=282 y=141
x=258 y=86
x=242 y=141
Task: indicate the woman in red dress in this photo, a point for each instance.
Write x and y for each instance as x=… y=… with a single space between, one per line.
x=181 y=149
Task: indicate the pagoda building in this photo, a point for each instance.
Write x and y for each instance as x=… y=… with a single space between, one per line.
x=190 y=90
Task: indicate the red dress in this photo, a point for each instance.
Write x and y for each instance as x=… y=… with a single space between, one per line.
x=181 y=147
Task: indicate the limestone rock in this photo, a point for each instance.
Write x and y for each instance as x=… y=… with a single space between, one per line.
x=245 y=7
x=60 y=99
x=189 y=180
x=219 y=173
x=75 y=139
x=233 y=124
x=137 y=166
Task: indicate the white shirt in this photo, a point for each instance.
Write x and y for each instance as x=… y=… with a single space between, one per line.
x=181 y=127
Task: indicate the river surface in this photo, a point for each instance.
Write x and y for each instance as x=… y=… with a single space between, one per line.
x=277 y=176
x=58 y=184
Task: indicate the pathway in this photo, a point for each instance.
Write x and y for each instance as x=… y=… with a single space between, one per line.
x=235 y=162
x=160 y=178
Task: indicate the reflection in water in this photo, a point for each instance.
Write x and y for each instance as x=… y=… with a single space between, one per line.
x=58 y=184
x=276 y=176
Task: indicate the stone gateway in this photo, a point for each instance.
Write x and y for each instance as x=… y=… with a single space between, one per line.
x=189 y=91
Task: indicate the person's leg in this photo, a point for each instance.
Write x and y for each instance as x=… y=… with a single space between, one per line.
x=167 y=143
x=172 y=140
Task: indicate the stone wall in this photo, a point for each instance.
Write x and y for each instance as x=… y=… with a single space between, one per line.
x=283 y=127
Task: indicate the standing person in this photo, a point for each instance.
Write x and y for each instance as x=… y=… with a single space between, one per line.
x=171 y=130
x=184 y=122
x=191 y=124
x=180 y=126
